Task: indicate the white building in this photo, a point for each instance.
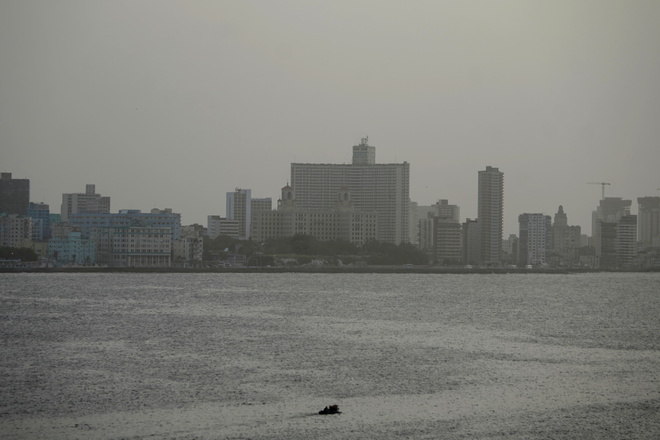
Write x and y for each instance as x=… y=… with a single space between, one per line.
x=341 y=222
x=89 y=202
x=491 y=212
x=379 y=188
x=217 y=226
x=134 y=246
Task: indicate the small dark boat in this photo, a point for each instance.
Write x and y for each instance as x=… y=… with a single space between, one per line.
x=332 y=409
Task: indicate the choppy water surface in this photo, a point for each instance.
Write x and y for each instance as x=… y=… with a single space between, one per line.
x=215 y=356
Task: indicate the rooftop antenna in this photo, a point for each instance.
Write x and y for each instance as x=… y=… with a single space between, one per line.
x=602 y=184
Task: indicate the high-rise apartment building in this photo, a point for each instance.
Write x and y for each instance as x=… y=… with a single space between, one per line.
x=626 y=241
x=239 y=208
x=422 y=230
x=447 y=241
x=490 y=212
x=14 y=195
x=533 y=239
x=610 y=210
x=648 y=218
x=84 y=203
x=379 y=188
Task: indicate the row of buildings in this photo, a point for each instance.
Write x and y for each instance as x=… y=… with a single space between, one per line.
x=85 y=232
x=356 y=202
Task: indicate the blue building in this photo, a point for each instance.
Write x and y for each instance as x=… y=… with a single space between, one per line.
x=72 y=250
x=89 y=223
x=130 y=238
x=40 y=215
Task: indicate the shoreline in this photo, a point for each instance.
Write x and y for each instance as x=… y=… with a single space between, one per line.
x=322 y=270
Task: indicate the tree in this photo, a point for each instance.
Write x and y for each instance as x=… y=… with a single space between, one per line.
x=23 y=254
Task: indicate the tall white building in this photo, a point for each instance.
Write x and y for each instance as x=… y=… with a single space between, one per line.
x=84 y=203
x=491 y=212
x=379 y=188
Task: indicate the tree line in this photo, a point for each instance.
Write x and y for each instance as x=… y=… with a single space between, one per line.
x=304 y=248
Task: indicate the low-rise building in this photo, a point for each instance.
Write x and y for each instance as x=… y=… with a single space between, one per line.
x=15 y=230
x=72 y=249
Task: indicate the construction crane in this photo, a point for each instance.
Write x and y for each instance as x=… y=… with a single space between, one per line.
x=602 y=184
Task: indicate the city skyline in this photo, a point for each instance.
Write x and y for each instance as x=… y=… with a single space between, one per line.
x=176 y=105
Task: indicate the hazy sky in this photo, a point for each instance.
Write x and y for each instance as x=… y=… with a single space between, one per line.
x=174 y=103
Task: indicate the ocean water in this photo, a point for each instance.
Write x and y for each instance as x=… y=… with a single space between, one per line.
x=256 y=356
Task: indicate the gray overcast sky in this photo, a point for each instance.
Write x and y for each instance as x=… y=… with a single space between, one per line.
x=174 y=103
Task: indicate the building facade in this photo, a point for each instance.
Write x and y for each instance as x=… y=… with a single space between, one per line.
x=239 y=208
x=40 y=215
x=491 y=214
x=84 y=203
x=648 y=218
x=471 y=242
x=609 y=210
x=134 y=246
x=566 y=240
x=533 y=239
x=14 y=195
x=15 y=230
x=72 y=249
x=217 y=226
x=341 y=222
x=447 y=242
x=379 y=188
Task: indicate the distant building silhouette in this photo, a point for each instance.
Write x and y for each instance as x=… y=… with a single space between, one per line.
x=129 y=238
x=15 y=230
x=610 y=210
x=40 y=215
x=565 y=240
x=426 y=217
x=84 y=203
x=490 y=212
x=648 y=217
x=533 y=239
x=14 y=195
x=379 y=188
x=339 y=222
x=447 y=241
x=217 y=226
x=239 y=208
x=471 y=242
